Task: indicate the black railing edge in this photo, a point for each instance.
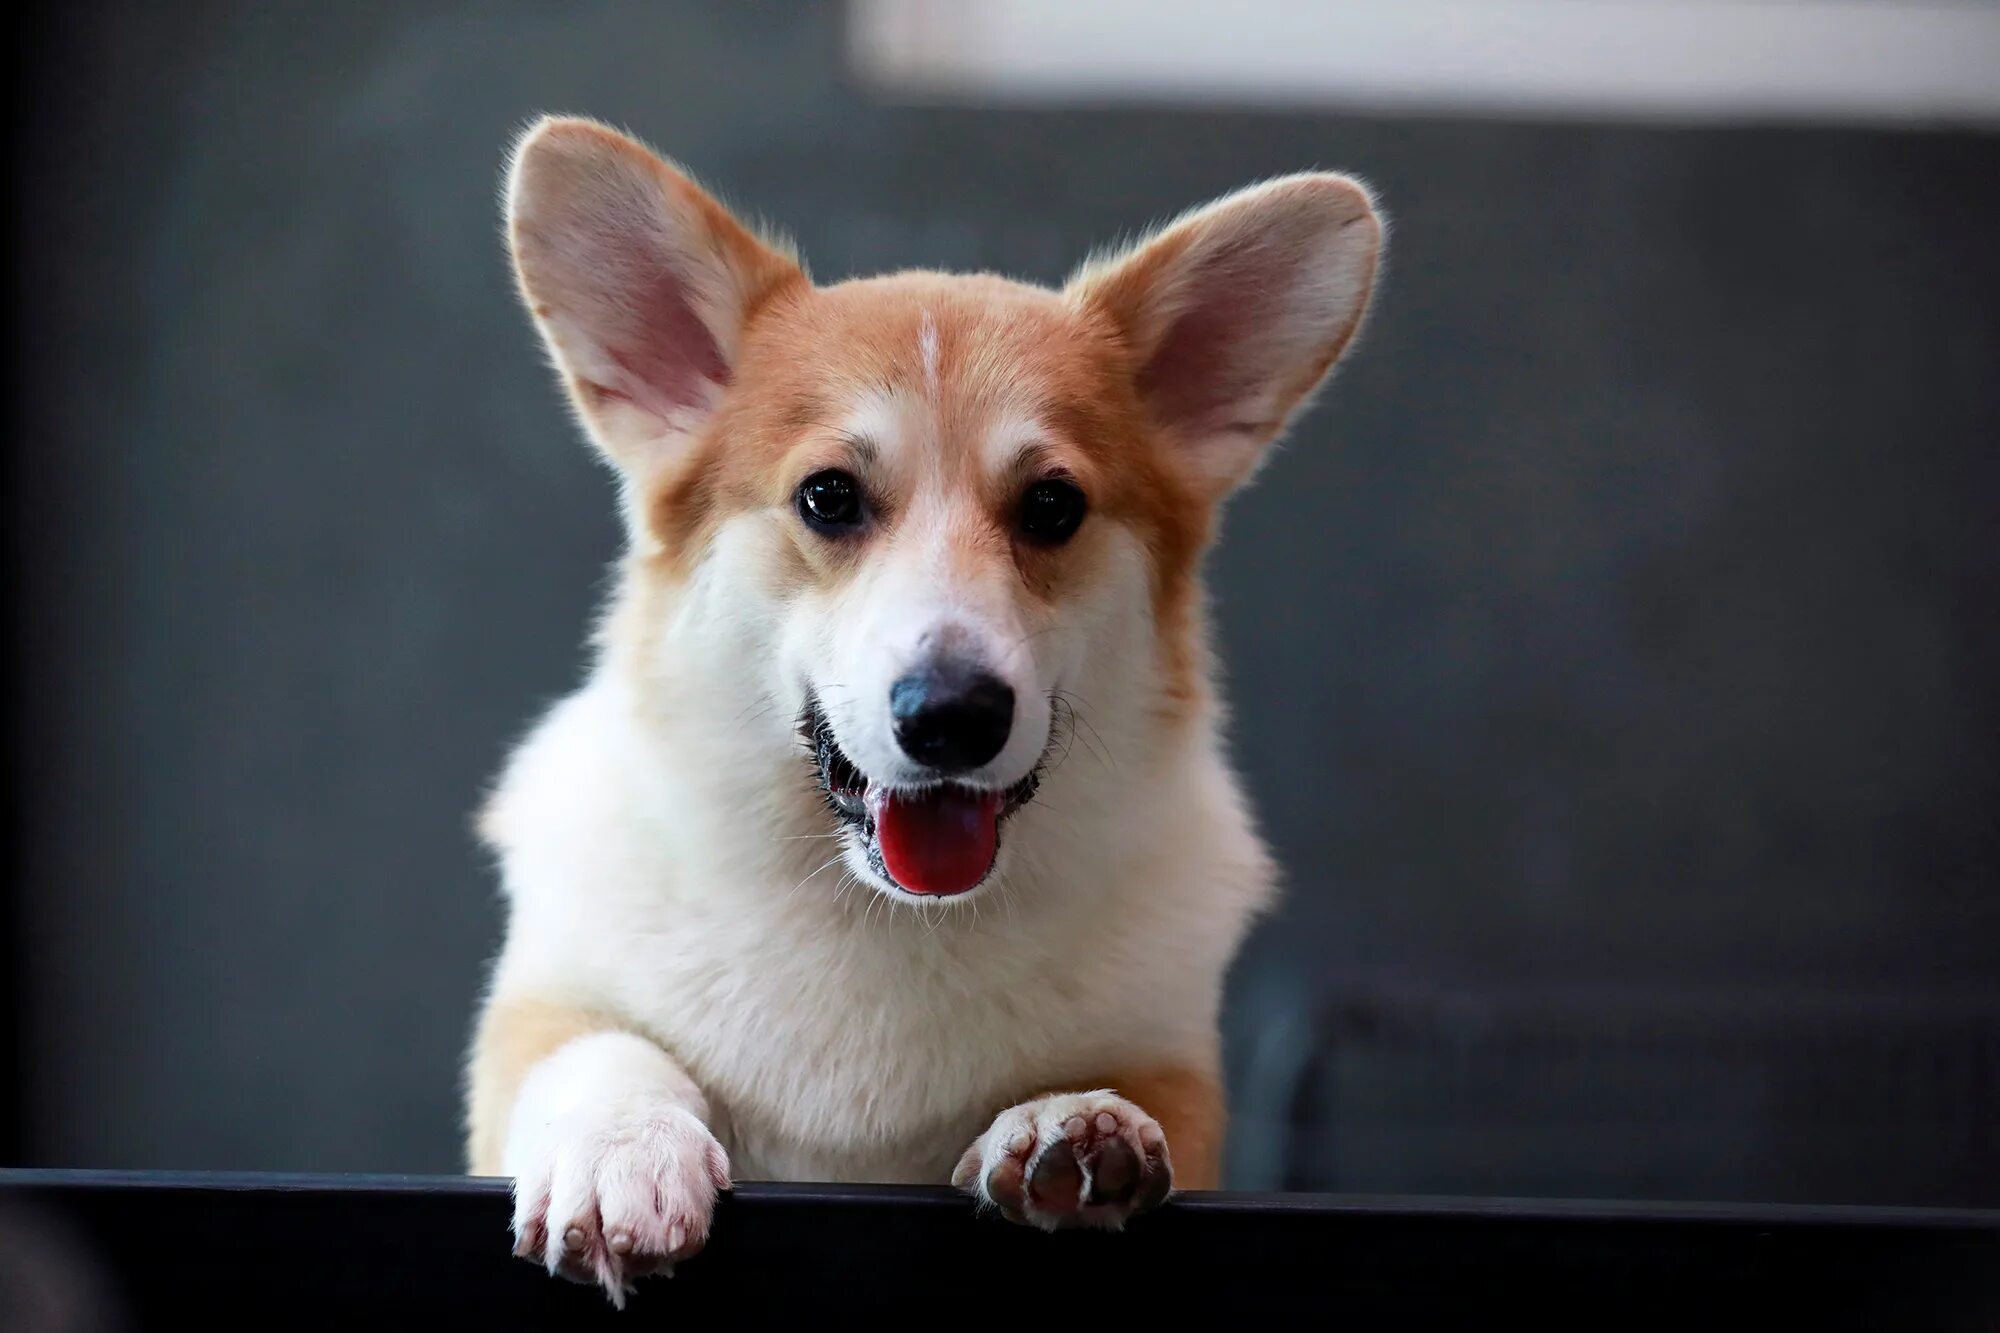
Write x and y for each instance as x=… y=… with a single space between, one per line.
x=752 y=1193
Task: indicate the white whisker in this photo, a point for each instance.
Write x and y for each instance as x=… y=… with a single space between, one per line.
x=802 y=883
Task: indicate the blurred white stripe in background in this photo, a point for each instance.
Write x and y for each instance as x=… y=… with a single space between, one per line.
x=1853 y=61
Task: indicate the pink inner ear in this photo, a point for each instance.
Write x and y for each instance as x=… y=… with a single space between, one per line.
x=1210 y=365
x=668 y=356
x=1189 y=381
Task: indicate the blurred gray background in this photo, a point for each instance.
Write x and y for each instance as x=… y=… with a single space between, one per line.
x=1614 y=649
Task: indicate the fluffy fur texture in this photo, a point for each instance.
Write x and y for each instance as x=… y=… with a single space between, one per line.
x=707 y=971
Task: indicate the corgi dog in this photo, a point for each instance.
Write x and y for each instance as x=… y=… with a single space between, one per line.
x=891 y=835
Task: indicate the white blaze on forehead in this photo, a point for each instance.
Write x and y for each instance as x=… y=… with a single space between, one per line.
x=927 y=351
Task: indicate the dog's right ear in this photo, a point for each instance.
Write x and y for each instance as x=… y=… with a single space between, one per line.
x=639 y=282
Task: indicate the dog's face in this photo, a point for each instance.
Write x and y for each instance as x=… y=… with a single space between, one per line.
x=943 y=512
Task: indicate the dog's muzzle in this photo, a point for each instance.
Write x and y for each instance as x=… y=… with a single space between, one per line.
x=939 y=840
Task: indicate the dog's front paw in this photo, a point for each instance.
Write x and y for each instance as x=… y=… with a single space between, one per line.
x=611 y=1198
x=1079 y=1159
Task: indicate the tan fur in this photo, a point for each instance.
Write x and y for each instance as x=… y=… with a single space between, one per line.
x=1190 y=1107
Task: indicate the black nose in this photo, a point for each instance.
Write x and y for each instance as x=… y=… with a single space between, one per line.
x=951 y=715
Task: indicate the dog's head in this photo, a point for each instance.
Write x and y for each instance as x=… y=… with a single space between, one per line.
x=934 y=513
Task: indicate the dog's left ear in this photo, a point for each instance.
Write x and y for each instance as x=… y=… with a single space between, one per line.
x=1235 y=314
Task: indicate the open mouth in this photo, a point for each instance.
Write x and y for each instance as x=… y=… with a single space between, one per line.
x=936 y=841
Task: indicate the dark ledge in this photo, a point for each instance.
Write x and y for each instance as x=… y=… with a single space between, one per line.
x=404 y=1251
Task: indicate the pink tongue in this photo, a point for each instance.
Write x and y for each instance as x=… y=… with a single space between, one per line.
x=940 y=841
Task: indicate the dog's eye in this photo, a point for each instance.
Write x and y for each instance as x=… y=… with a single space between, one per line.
x=1051 y=511
x=830 y=501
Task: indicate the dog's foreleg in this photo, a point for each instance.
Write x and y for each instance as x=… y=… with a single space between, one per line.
x=615 y=1168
